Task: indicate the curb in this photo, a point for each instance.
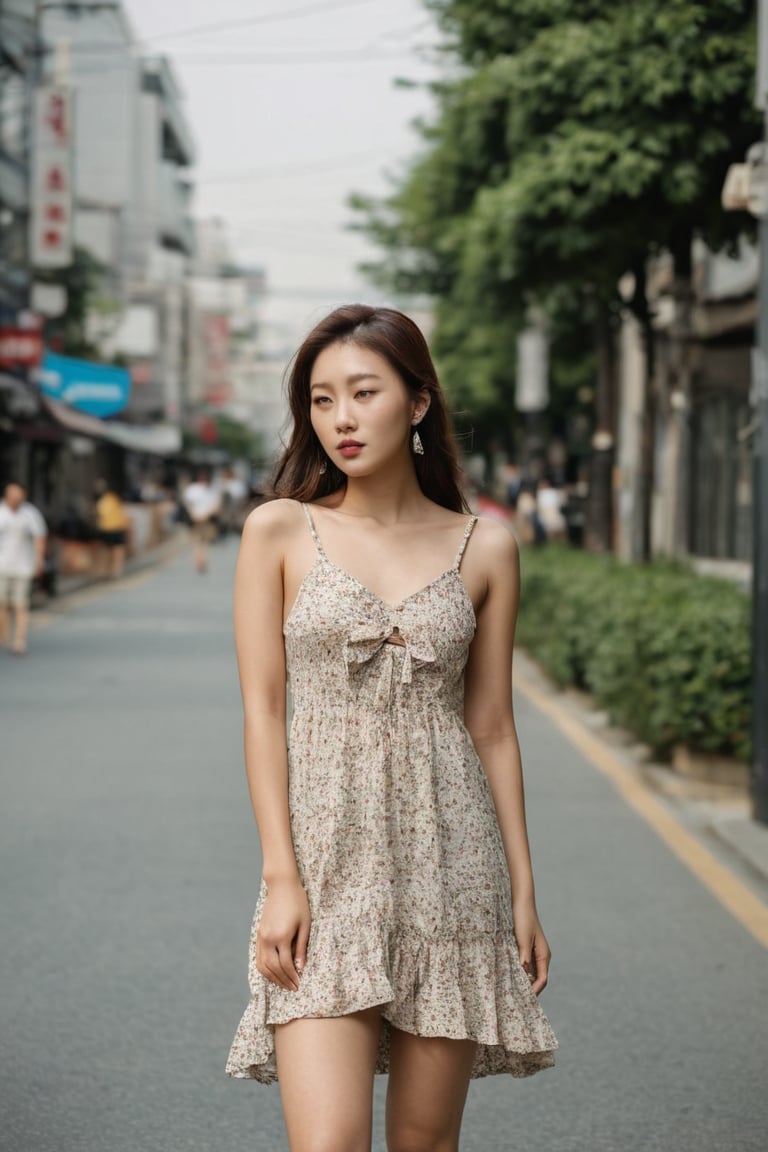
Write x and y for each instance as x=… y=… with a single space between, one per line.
x=696 y=818
x=696 y=775
x=151 y=558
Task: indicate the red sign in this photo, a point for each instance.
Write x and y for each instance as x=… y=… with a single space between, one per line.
x=57 y=118
x=20 y=348
x=218 y=388
x=51 y=225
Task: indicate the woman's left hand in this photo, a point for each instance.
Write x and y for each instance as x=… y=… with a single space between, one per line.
x=535 y=954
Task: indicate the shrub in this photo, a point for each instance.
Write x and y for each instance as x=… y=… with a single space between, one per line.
x=665 y=651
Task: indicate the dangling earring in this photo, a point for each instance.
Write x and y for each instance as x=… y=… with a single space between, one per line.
x=418 y=447
x=323 y=468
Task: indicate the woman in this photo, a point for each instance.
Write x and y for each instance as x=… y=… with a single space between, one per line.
x=393 y=834
x=112 y=525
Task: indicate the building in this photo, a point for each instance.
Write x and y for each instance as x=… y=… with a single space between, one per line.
x=133 y=147
x=230 y=370
x=702 y=414
x=17 y=40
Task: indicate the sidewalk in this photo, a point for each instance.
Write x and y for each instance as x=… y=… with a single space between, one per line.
x=66 y=585
x=718 y=814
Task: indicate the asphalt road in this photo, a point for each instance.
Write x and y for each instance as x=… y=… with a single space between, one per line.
x=130 y=868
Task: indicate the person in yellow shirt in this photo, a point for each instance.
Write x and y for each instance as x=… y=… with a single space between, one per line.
x=112 y=524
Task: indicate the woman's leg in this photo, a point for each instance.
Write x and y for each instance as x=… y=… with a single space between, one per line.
x=326 y=1070
x=21 y=598
x=5 y=619
x=428 y=1082
x=101 y=558
x=118 y=561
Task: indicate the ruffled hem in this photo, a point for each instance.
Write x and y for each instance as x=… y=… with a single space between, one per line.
x=428 y=987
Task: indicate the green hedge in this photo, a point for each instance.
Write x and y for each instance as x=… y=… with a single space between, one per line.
x=664 y=651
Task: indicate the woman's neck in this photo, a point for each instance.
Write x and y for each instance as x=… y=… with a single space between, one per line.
x=389 y=499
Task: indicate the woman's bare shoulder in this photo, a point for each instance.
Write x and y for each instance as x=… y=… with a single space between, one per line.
x=495 y=545
x=273 y=523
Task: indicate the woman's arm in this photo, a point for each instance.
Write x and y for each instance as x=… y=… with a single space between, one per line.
x=490 y=721
x=284 y=925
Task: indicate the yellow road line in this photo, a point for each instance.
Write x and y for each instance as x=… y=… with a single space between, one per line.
x=743 y=905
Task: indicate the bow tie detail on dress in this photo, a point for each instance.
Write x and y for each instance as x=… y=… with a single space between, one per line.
x=366 y=640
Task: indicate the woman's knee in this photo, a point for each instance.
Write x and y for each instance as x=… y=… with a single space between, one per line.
x=415 y=1138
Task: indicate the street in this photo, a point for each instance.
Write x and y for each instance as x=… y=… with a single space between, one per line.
x=130 y=871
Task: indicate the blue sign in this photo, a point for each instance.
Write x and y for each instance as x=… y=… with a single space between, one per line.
x=99 y=389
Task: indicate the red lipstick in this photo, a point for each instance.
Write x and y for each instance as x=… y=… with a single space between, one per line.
x=349 y=448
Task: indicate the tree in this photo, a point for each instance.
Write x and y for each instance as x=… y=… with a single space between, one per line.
x=209 y=429
x=573 y=140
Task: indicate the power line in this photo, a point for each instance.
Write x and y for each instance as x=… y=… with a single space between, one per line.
x=266 y=18
x=323 y=230
x=328 y=165
x=354 y=57
x=135 y=52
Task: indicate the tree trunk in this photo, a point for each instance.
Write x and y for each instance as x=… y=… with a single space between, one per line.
x=598 y=528
x=679 y=399
x=639 y=306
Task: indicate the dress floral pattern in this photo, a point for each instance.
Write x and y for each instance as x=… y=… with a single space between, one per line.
x=395 y=833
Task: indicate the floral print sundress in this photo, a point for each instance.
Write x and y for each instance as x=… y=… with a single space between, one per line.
x=395 y=832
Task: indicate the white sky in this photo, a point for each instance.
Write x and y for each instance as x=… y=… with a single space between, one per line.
x=282 y=137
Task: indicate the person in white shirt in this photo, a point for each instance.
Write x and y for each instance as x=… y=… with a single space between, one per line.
x=549 y=505
x=203 y=503
x=22 y=557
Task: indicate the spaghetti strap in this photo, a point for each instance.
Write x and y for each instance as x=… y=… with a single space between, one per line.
x=313 y=530
x=464 y=541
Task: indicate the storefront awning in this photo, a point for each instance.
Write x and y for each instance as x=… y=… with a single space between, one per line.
x=154 y=439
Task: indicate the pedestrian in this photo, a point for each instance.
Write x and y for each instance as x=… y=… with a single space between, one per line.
x=396 y=928
x=23 y=536
x=233 y=494
x=112 y=525
x=529 y=522
x=202 y=503
x=513 y=480
x=549 y=507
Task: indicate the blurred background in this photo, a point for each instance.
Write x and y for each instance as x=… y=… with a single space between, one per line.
x=569 y=196
x=567 y=201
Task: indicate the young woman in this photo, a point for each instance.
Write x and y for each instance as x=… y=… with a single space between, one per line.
x=396 y=929
x=112 y=524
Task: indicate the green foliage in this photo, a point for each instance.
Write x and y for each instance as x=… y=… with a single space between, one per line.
x=238 y=440
x=666 y=652
x=573 y=139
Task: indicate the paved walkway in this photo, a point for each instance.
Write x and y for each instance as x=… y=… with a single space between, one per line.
x=130 y=869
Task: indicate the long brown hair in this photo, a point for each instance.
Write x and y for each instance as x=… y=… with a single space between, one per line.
x=399 y=341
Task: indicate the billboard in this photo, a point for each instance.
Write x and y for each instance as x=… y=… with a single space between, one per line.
x=99 y=389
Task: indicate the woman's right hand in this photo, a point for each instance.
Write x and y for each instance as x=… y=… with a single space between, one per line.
x=283 y=934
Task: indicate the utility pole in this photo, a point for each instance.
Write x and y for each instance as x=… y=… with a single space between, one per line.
x=760 y=497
